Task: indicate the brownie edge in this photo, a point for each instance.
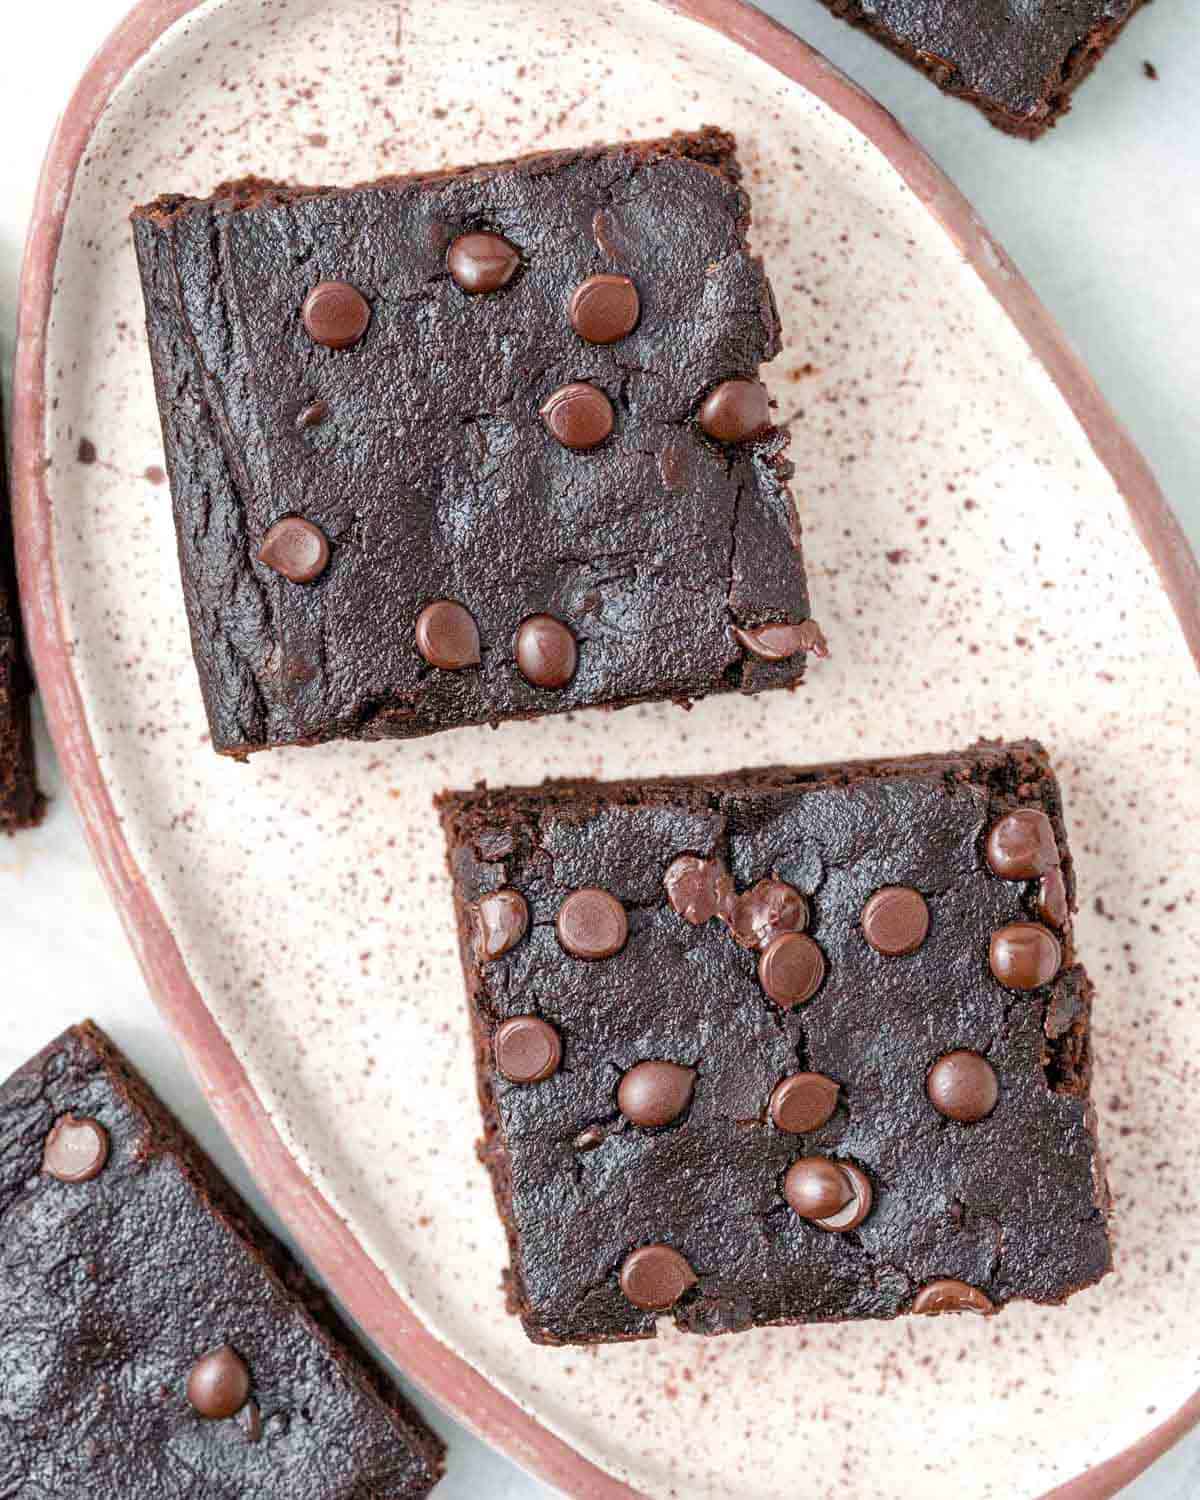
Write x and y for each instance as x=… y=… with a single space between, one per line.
x=21 y=804
x=130 y=1271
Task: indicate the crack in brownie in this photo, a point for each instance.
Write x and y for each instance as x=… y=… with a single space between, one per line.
x=780 y=1047
x=154 y=1338
x=1019 y=64
x=473 y=446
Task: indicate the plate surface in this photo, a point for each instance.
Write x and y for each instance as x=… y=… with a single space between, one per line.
x=972 y=561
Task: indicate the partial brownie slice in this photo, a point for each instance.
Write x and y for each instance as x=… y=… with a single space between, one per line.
x=21 y=804
x=1019 y=64
x=481 y=445
x=781 y=1047
x=156 y=1339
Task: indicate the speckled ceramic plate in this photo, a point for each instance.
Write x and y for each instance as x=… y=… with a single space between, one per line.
x=983 y=544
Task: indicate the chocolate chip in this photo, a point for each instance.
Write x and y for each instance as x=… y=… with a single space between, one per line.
x=579 y=415
x=963 y=1086
x=779 y=642
x=447 y=636
x=735 y=410
x=1022 y=845
x=482 y=262
x=296 y=548
x=895 y=920
x=76 y=1149
x=250 y=1421
x=655 y=1277
x=546 y=652
x=313 y=415
x=592 y=924
x=219 y=1384
x=527 y=1049
x=803 y=1102
x=655 y=1093
x=698 y=889
x=1053 y=906
x=1024 y=955
x=503 y=920
x=949 y=1296
x=336 y=314
x=791 y=969
x=834 y=1195
x=604 y=309
x=765 y=911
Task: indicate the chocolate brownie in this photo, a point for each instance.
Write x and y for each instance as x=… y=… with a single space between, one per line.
x=472 y=446
x=21 y=804
x=154 y=1338
x=1019 y=64
x=786 y=1046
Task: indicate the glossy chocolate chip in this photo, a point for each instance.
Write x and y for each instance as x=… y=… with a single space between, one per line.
x=527 y=1049
x=698 y=889
x=950 y=1296
x=592 y=924
x=502 y=919
x=1052 y=905
x=765 y=911
x=219 y=1384
x=447 y=636
x=1024 y=955
x=817 y=1188
x=779 y=642
x=579 y=415
x=604 y=309
x=655 y=1093
x=336 y=314
x=76 y=1149
x=791 y=969
x=895 y=920
x=735 y=410
x=546 y=652
x=1022 y=846
x=655 y=1277
x=963 y=1086
x=803 y=1102
x=295 y=548
x=481 y=262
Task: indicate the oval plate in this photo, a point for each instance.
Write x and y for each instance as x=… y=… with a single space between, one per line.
x=983 y=543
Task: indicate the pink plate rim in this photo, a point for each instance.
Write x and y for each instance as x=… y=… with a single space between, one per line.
x=325 y=1238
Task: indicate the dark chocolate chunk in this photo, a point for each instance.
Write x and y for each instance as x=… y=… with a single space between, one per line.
x=546 y=652
x=736 y=410
x=76 y=1149
x=1024 y=955
x=895 y=921
x=579 y=415
x=219 y=1384
x=528 y=1049
x=803 y=1102
x=950 y=1296
x=336 y=314
x=296 y=548
x=604 y=309
x=503 y=920
x=447 y=636
x=1022 y=846
x=655 y=1093
x=591 y=923
x=655 y=1277
x=482 y=262
x=963 y=1086
x=791 y=969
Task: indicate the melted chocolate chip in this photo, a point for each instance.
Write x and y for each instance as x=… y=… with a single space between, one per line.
x=949 y=1296
x=1024 y=955
x=447 y=636
x=963 y=1086
x=546 y=652
x=655 y=1277
x=527 y=1049
x=779 y=642
x=1053 y=906
x=579 y=415
x=698 y=889
x=336 y=314
x=502 y=920
x=735 y=410
x=481 y=262
x=76 y=1149
x=791 y=969
x=765 y=911
x=219 y=1384
x=604 y=309
x=591 y=923
x=895 y=921
x=655 y=1093
x=295 y=548
x=1022 y=846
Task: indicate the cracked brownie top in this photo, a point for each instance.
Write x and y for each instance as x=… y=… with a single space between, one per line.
x=784 y=1046
x=469 y=446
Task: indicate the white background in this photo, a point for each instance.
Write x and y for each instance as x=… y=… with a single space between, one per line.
x=1103 y=216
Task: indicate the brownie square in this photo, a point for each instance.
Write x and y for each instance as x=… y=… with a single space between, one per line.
x=474 y=446
x=785 y=1046
x=155 y=1339
x=1019 y=64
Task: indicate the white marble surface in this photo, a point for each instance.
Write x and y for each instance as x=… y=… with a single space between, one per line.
x=1104 y=217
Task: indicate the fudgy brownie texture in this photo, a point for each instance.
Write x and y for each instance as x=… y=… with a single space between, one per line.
x=21 y=805
x=781 y=1047
x=473 y=446
x=1019 y=63
x=156 y=1339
